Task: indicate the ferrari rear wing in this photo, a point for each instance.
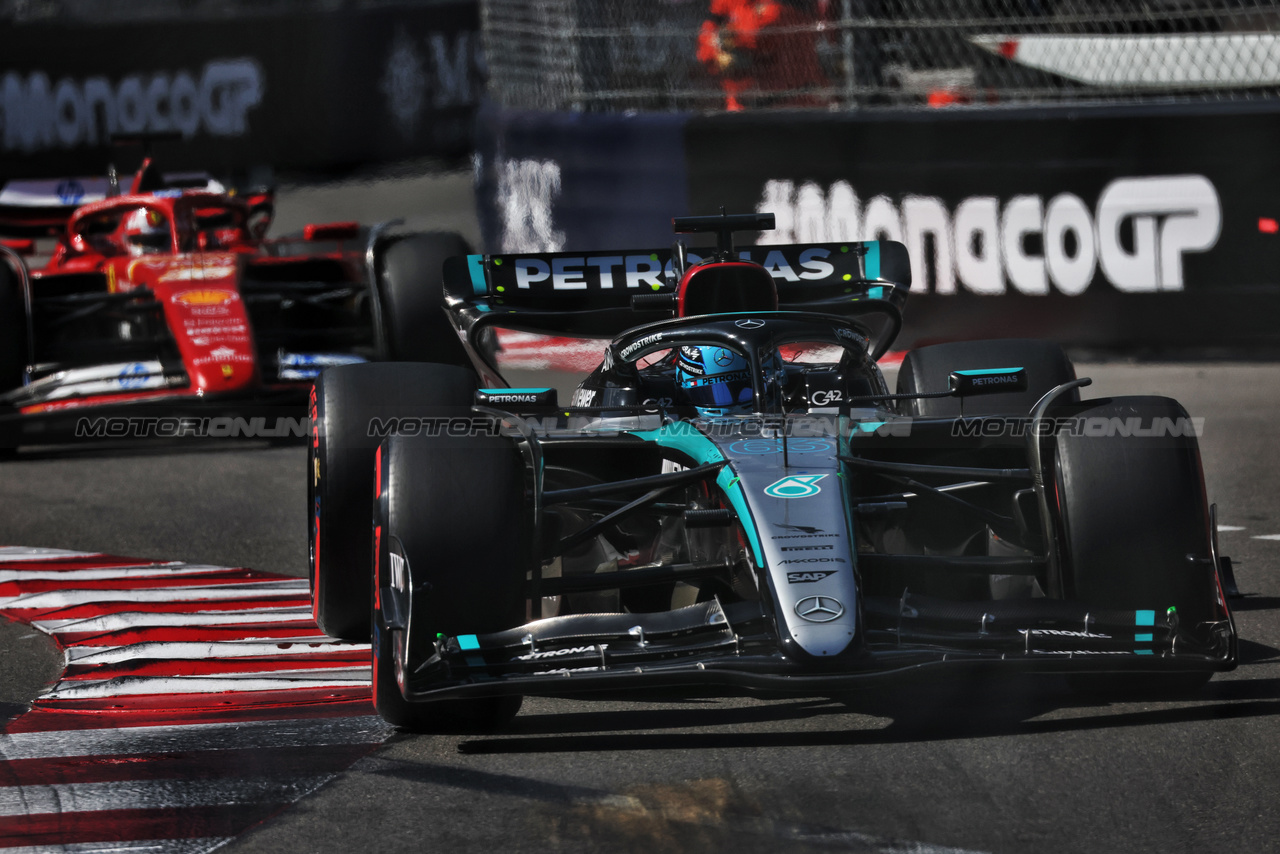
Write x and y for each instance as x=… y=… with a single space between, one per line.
x=602 y=294
x=41 y=208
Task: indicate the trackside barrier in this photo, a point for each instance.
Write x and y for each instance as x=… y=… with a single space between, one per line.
x=316 y=91
x=1138 y=228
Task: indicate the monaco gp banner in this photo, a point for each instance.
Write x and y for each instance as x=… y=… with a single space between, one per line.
x=1099 y=227
x=291 y=91
x=1109 y=228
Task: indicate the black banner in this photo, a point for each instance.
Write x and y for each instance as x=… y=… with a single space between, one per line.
x=550 y=182
x=1098 y=227
x=293 y=92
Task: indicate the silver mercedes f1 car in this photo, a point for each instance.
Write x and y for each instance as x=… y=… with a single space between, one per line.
x=736 y=502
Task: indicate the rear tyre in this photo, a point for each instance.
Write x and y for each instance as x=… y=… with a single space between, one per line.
x=348 y=404
x=453 y=510
x=926 y=370
x=411 y=282
x=1133 y=509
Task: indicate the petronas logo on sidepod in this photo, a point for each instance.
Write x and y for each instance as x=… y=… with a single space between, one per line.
x=795 y=486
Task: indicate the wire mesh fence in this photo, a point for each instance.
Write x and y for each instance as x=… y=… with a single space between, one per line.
x=848 y=54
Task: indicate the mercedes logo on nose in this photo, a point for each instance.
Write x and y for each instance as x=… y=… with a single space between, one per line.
x=819 y=609
x=749 y=324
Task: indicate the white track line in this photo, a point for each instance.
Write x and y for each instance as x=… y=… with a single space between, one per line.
x=202 y=650
x=20 y=553
x=366 y=729
x=1226 y=528
x=61 y=798
x=107 y=573
x=147 y=619
x=1266 y=537
x=67 y=598
x=125 y=686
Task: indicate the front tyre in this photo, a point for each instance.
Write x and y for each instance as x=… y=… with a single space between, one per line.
x=1135 y=521
x=451 y=518
x=352 y=406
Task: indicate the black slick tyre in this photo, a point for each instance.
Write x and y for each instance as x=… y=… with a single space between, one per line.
x=1134 y=519
x=451 y=515
x=411 y=285
x=351 y=408
x=927 y=369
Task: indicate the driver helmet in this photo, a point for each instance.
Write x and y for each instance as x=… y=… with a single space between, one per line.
x=717 y=381
x=146 y=232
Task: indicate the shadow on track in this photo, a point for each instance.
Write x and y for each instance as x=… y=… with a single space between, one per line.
x=972 y=709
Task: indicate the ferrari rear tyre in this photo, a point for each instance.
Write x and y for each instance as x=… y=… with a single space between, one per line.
x=1135 y=520
x=451 y=516
x=927 y=369
x=352 y=408
x=411 y=282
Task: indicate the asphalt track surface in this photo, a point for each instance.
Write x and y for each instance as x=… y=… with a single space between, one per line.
x=998 y=766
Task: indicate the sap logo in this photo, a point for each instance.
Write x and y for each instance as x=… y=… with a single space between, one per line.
x=1028 y=242
x=808 y=577
x=38 y=115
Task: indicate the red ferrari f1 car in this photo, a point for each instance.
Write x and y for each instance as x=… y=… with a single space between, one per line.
x=736 y=502
x=166 y=298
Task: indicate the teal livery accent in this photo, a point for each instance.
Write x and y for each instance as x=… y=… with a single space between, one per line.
x=985 y=371
x=1144 y=618
x=872 y=259
x=470 y=645
x=875 y=293
x=685 y=438
x=475 y=264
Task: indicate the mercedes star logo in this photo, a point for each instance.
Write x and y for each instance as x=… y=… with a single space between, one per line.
x=819 y=609
x=749 y=324
x=723 y=358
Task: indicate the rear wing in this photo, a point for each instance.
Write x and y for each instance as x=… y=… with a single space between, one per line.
x=602 y=294
x=41 y=208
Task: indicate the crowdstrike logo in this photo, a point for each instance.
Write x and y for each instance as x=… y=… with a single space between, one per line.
x=38 y=114
x=1136 y=233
